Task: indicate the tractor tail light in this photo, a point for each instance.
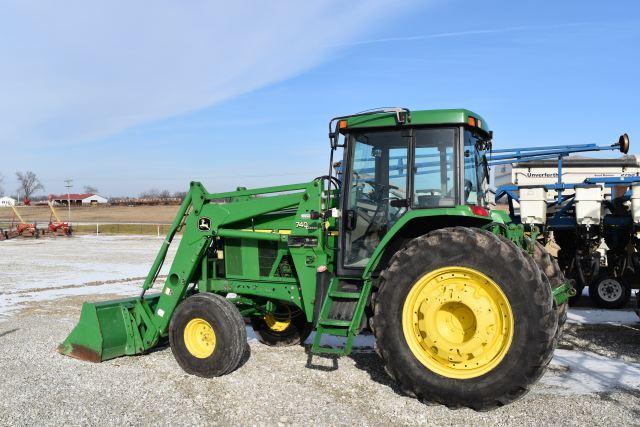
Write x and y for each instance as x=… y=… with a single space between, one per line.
x=471 y=121
x=342 y=124
x=479 y=210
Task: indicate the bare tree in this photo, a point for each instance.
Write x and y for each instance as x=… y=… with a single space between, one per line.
x=152 y=193
x=90 y=189
x=29 y=183
x=180 y=195
x=155 y=193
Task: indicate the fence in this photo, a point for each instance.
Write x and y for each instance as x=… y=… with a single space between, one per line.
x=119 y=228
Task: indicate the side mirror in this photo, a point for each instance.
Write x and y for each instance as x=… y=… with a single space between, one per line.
x=333 y=140
x=484 y=145
x=623 y=143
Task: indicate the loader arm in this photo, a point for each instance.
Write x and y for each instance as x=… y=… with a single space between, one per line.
x=196 y=240
x=135 y=325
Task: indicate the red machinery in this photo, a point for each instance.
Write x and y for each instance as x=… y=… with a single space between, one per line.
x=58 y=227
x=22 y=228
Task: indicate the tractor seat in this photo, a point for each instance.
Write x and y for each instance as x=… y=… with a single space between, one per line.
x=429 y=200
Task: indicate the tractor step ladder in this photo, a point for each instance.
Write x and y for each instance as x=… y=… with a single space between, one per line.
x=347 y=328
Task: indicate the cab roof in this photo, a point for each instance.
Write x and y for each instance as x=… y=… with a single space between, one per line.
x=457 y=116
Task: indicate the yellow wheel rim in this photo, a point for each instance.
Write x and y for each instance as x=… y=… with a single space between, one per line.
x=280 y=321
x=457 y=322
x=199 y=338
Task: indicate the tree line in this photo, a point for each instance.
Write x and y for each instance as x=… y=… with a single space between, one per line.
x=29 y=184
x=155 y=193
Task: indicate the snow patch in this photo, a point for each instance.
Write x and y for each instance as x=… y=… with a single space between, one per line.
x=595 y=316
x=51 y=268
x=583 y=372
x=360 y=342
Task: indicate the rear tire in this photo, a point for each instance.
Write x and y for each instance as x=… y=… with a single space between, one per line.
x=207 y=335
x=608 y=291
x=566 y=258
x=282 y=329
x=550 y=268
x=523 y=358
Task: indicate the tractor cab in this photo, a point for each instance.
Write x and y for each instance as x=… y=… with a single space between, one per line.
x=396 y=161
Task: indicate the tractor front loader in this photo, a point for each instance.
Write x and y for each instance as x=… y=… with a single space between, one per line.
x=466 y=308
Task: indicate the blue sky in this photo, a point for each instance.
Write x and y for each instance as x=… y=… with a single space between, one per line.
x=126 y=98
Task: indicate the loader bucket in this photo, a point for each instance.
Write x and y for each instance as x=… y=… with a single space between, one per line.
x=110 y=329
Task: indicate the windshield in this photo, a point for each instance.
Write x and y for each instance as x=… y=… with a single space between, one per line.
x=434 y=172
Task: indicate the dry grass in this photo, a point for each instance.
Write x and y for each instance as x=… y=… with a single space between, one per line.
x=123 y=214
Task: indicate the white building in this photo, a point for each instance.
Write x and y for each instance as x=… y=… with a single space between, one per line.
x=79 y=199
x=7 y=201
x=94 y=199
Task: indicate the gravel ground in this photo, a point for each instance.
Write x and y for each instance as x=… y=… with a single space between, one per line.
x=38 y=386
x=274 y=386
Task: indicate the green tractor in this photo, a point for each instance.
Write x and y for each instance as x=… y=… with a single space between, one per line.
x=466 y=308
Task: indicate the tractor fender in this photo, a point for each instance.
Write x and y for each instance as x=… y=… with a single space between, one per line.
x=418 y=222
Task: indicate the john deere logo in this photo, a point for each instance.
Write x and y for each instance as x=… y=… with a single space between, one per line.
x=204 y=224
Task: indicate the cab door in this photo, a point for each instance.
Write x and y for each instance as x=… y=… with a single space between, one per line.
x=375 y=196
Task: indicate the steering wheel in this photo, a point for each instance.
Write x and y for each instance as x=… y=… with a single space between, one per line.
x=381 y=186
x=379 y=189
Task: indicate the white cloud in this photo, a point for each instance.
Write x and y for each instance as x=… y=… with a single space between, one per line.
x=75 y=71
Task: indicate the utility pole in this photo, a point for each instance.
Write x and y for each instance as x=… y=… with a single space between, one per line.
x=68 y=182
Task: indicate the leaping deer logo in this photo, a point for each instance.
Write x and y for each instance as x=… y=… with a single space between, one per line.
x=204 y=224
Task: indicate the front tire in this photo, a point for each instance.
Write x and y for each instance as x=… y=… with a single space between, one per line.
x=207 y=335
x=462 y=318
